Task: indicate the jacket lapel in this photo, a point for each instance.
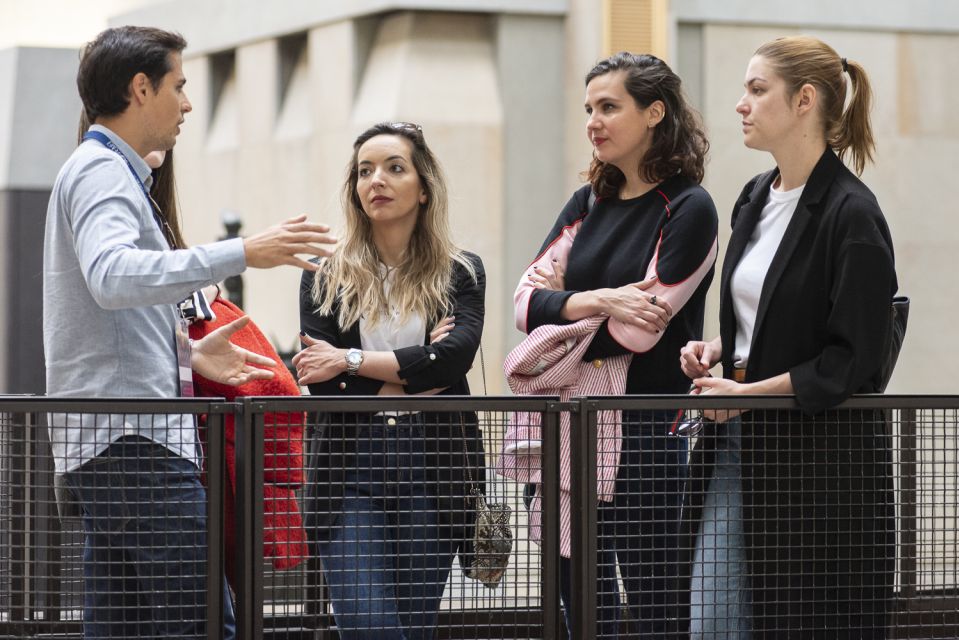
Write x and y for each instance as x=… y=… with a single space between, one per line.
x=819 y=181
x=743 y=226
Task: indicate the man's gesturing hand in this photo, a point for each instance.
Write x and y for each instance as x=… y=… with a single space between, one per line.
x=216 y=358
x=282 y=243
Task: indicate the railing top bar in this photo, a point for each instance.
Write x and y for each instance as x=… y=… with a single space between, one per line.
x=363 y=404
x=867 y=401
x=366 y=404
x=51 y=404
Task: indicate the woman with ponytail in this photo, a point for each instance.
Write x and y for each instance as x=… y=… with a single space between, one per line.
x=805 y=309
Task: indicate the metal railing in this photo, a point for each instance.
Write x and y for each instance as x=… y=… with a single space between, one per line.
x=41 y=585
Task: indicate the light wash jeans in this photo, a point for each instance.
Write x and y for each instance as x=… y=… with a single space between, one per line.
x=720 y=607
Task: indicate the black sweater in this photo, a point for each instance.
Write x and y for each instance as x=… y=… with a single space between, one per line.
x=616 y=244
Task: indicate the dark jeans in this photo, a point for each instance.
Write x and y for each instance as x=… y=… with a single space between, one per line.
x=639 y=530
x=387 y=558
x=144 y=559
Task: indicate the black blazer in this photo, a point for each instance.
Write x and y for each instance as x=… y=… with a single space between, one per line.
x=430 y=366
x=818 y=513
x=824 y=308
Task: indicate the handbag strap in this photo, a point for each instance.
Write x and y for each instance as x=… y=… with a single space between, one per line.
x=483 y=369
x=466 y=455
x=466 y=451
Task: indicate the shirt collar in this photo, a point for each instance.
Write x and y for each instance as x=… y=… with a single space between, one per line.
x=142 y=169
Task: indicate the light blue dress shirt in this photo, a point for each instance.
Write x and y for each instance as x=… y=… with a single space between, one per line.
x=110 y=289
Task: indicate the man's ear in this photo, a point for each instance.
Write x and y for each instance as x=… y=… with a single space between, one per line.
x=140 y=87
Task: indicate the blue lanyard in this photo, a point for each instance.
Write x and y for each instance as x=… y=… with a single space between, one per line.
x=109 y=144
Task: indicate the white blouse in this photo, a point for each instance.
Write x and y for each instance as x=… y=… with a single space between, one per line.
x=391 y=333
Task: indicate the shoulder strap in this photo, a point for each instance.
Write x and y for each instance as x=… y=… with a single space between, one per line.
x=591 y=202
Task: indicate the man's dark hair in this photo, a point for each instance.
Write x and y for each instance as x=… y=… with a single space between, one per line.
x=109 y=63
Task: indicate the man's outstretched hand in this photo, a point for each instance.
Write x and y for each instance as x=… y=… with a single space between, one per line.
x=216 y=358
x=283 y=244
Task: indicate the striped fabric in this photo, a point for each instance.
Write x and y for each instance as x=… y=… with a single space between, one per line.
x=549 y=362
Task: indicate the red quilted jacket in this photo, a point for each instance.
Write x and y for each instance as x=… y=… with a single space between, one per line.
x=284 y=539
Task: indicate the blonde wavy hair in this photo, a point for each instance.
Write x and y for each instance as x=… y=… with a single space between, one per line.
x=422 y=283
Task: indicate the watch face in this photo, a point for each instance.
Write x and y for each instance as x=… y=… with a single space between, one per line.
x=354 y=357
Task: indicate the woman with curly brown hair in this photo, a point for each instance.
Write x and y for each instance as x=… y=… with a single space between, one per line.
x=634 y=248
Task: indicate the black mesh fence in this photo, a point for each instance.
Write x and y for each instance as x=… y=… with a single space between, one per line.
x=651 y=517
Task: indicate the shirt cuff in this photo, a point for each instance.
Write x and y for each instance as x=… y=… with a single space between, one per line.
x=227 y=257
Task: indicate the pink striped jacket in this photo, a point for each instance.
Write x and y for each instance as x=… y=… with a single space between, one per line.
x=549 y=362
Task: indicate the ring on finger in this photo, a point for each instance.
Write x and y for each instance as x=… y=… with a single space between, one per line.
x=653 y=300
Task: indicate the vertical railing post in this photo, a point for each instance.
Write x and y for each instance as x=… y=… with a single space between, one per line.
x=48 y=522
x=215 y=499
x=583 y=504
x=908 y=507
x=552 y=614
x=19 y=520
x=249 y=516
x=316 y=612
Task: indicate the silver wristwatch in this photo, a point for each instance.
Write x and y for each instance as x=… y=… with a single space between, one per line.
x=354 y=358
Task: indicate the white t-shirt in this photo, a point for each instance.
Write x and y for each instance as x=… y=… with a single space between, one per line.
x=747 y=281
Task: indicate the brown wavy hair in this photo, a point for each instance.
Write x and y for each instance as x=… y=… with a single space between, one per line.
x=679 y=143
x=801 y=60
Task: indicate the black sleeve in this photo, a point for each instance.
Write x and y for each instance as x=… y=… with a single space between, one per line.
x=685 y=257
x=324 y=327
x=446 y=362
x=546 y=306
x=864 y=283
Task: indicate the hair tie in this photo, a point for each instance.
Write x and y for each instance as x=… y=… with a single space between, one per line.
x=845 y=65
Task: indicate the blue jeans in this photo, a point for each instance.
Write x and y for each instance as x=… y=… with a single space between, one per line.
x=387 y=558
x=720 y=606
x=639 y=530
x=144 y=559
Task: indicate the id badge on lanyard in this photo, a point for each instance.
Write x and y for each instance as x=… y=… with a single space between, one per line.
x=183 y=357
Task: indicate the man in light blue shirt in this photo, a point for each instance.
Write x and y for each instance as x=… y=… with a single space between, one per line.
x=111 y=285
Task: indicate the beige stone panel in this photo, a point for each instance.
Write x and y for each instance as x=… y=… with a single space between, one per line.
x=305 y=172
x=257 y=68
x=435 y=61
x=584 y=38
x=199 y=181
x=929 y=94
x=336 y=55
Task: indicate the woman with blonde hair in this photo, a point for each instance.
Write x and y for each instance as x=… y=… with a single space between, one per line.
x=397 y=310
x=806 y=290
